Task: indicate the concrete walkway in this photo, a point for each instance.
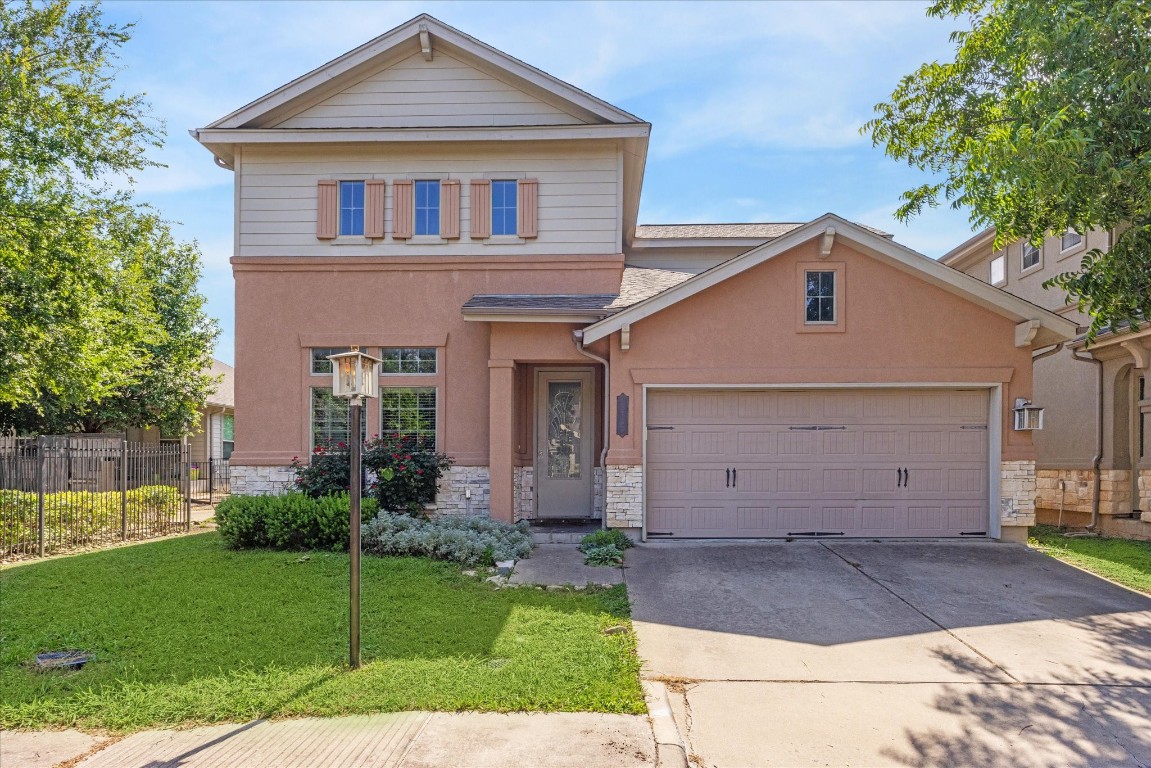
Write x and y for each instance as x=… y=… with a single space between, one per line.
x=559 y=565
x=402 y=740
x=893 y=654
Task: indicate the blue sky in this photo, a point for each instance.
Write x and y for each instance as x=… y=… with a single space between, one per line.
x=755 y=107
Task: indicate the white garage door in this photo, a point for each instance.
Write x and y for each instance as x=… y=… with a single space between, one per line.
x=772 y=463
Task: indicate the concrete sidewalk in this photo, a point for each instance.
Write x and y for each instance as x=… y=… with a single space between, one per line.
x=400 y=740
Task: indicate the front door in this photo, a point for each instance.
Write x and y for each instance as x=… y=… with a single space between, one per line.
x=564 y=443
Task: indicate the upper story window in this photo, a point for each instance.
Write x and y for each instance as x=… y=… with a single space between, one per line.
x=504 y=221
x=408 y=360
x=427 y=208
x=819 y=295
x=320 y=362
x=352 y=208
x=999 y=270
x=1030 y=256
x=1070 y=239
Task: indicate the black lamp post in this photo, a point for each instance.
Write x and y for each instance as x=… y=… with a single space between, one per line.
x=355 y=376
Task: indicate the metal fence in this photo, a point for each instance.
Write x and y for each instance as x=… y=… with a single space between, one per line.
x=209 y=480
x=60 y=492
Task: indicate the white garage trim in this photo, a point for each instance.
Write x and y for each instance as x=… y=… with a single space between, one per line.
x=994 y=428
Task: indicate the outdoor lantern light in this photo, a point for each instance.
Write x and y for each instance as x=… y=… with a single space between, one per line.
x=1027 y=416
x=355 y=374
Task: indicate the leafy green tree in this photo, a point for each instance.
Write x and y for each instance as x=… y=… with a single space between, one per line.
x=101 y=324
x=1042 y=122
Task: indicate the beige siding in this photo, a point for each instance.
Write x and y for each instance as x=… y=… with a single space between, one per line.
x=443 y=92
x=578 y=196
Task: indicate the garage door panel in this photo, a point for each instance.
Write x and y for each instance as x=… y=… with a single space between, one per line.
x=817 y=461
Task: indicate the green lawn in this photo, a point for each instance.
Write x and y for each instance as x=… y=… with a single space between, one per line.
x=1122 y=560
x=186 y=630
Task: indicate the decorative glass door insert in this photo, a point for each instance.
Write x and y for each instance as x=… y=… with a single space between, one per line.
x=564 y=427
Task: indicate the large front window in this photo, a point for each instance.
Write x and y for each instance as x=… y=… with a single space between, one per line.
x=409 y=412
x=332 y=418
x=427 y=207
x=421 y=360
x=819 y=294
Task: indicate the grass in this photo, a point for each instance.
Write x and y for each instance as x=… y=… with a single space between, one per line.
x=188 y=631
x=1122 y=560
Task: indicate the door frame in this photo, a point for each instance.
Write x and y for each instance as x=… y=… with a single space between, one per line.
x=589 y=418
x=994 y=430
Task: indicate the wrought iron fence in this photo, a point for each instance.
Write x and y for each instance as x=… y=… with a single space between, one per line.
x=60 y=492
x=209 y=480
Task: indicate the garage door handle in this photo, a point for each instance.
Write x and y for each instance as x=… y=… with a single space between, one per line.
x=727 y=483
x=899 y=478
x=733 y=478
x=906 y=476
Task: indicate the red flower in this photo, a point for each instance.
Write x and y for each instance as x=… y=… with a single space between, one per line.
x=419 y=471
x=402 y=467
x=408 y=457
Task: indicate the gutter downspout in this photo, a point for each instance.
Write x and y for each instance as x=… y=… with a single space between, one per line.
x=1098 y=460
x=1047 y=352
x=577 y=337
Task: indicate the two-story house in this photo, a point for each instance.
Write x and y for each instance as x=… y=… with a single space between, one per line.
x=472 y=221
x=1094 y=462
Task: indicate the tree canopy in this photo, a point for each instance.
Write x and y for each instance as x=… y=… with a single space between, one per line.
x=1041 y=123
x=101 y=323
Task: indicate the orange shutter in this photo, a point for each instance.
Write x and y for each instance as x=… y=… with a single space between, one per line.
x=402 y=211
x=481 y=209
x=528 y=208
x=450 y=209
x=374 y=208
x=327 y=208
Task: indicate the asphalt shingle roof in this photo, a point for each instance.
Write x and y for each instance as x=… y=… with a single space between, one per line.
x=750 y=231
x=638 y=284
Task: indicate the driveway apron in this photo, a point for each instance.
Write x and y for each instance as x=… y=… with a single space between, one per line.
x=893 y=653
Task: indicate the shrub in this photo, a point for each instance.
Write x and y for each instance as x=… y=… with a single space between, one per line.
x=292 y=521
x=463 y=540
x=413 y=475
x=73 y=518
x=605 y=547
x=404 y=475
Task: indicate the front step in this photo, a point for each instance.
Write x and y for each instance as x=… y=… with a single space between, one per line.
x=562 y=532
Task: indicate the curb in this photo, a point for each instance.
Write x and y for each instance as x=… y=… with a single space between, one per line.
x=670 y=751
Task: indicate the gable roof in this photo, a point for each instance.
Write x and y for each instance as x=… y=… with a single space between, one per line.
x=1050 y=328
x=400 y=43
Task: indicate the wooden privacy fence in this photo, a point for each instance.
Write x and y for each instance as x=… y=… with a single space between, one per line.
x=59 y=492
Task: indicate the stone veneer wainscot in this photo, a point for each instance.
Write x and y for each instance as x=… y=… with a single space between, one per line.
x=624 y=496
x=1017 y=493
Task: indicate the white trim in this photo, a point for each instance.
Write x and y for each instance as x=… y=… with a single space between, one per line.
x=994 y=429
x=1054 y=327
x=995 y=460
x=402 y=41
x=227 y=136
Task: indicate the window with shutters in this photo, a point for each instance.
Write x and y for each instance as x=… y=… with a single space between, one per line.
x=351 y=208
x=427 y=208
x=504 y=213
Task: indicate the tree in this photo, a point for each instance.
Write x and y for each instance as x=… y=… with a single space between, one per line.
x=101 y=324
x=1041 y=123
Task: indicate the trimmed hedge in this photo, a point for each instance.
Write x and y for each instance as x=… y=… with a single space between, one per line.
x=292 y=521
x=73 y=518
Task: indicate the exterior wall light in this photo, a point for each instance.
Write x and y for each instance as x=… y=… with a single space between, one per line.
x=355 y=374
x=1028 y=417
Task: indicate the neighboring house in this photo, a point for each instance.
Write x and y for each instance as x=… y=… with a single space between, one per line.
x=1078 y=404
x=472 y=220
x=214 y=437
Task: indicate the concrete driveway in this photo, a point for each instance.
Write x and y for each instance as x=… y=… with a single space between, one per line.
x=909 y=653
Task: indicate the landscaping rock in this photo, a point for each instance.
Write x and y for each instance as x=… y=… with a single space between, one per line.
x=505 y=567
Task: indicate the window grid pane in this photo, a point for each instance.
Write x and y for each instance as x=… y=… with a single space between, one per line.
x=408 y=360
x=1030 y=256
x=351 y=208
x=320 y=362
x=504 y=207
x=819 y=297
x=409 y=412
x=427 y=207
x=1070 y=239
x=332 y=418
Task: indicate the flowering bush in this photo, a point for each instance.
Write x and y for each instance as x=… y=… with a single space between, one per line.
x=404 y=475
